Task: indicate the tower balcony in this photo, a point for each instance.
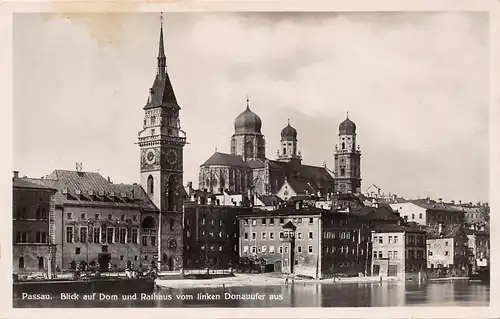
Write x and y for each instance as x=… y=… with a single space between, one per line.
x=178 y=140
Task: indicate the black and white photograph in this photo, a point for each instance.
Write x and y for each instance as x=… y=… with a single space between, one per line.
x=264 y=159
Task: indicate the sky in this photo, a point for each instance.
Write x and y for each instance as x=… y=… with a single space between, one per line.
x=415 y=84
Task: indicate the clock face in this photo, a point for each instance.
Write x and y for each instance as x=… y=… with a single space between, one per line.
x=172 y=157
x=150 y=157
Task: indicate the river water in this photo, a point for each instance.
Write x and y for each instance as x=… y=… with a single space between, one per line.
x=447 y=294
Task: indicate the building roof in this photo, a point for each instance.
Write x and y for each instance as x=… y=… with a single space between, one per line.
x=382 y=213
x=269 y=200
x=347 y=127
x=392 y=228
x=92 y=189
x=449 y=231
x=224 y=159
x=247 y=122
x=434 y=207
x=26 y=183
x=162 y=92
x=289 y=133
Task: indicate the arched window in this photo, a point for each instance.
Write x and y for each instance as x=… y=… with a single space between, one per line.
x=342 y=171
x=420 y=215
x=148 y=222
x=284 y=150
x=343 y=145
x=40 y=263
x=151 y=184
x=153 y=120
x=21 y=262
x=412 y=216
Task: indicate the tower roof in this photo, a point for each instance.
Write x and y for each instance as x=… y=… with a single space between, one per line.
x=347 y=127
x=288 y=132
x=161 y=94
x=248 y=122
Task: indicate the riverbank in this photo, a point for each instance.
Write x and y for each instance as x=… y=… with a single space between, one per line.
x=247 y=280
x=448 y=279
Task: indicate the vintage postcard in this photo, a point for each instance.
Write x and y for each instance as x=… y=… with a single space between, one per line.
x=293 y=161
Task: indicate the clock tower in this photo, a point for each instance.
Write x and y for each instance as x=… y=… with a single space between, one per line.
x=161 y=143
x=347 y=160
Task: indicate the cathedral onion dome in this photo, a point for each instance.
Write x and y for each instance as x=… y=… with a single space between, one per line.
x=288 y=133
x=247 y=122
x=347 y=127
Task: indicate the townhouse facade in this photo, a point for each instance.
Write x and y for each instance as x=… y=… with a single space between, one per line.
x=447 y=248
x=33 y=227
x=398 y=251
x=427 y=213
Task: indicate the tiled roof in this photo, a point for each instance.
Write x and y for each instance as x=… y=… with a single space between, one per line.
x=437 y=207
x=72 y=182
x=449 y=231
x=269 y=200
x=225 y=160
x=396 y=228
x=26 y=183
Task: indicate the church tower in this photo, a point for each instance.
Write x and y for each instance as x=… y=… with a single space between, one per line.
x=161 y=143
x=288 y=151
x=247 y=140
x=347 y=160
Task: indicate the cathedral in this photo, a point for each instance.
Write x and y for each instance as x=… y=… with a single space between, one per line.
x=247 y=170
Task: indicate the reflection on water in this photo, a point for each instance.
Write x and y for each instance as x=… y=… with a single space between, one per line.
x=449 y=294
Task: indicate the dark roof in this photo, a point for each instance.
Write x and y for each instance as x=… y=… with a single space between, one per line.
x=26 y=183
x=382 y=213
x=256 y=163
x=162 y=92
x=71 y=182
x=269 y=200
x=449 y=231
x=290 y=210
x=225 y=160
x=247 y=122
x=469 y=231
x=347 y=127
x=302 y=177
x=434 y=207
x=390 y=228
x=289 y=133
x=289 y=225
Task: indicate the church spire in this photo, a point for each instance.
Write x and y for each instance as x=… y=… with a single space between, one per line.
x=162 y=60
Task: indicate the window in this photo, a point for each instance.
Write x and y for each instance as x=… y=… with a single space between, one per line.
x=299 y=235
x=380 y=254
x=310 y=235
x=299 y=249
x=203 y=221
x=97 y=235
x=282 y=221
x=380 y=240
x=281 y=235
x=300 y=220
x=263 y=235
x=389 y=254
x=245 y=249
x=69 y=234
x=412 y=216
x=245 y=236
x=254 y=249
x=390 y=239
x=220 y=247
x=245 y=221
x=254 y=222
x=254 y=235
x=271 y=222
x=110 y=216
x=111 y=235
x=77 y=250
x=263 y=221
x=280 y=250
x=21 y=262
x=97 y=216
x=395 y=239
x=271 y=249
x=446 y=243
x=271 y=235
x=286 y=249
x=123 y=235
x=70 y=215
x=152 y=132
x=446 y=253
x=221 y=222
x=150 y=185
x=311 y=220
x=264 y=248
x=122 y=217
x=221 y=234
x=420 y=215
x=310 y=249
x=395 y=254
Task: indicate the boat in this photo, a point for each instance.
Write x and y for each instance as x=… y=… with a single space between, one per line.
x=482 y=276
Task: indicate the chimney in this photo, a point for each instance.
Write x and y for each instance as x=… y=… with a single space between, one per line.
x=440 y=228
x=16 y=174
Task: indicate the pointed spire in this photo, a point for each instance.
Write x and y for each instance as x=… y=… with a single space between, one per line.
x=162 y=60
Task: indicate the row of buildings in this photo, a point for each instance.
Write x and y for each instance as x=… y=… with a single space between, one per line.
x=279 y=213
